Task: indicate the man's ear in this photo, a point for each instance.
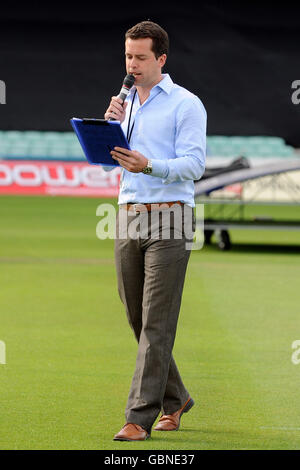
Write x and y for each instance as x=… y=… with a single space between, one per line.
x=162 y=60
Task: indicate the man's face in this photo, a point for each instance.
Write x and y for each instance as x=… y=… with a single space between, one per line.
x=142 y=63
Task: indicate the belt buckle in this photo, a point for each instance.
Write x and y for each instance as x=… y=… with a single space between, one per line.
x=139 y=208
x=133 y=208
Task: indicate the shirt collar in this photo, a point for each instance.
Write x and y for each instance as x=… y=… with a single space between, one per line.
x=166 y=84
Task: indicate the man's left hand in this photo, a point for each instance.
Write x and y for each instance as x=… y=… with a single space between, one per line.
x=131 y=160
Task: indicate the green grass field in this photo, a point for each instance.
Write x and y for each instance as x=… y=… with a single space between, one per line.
x=70 y=354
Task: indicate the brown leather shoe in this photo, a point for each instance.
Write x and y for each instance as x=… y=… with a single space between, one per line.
x=172 y=422
x=132 y=432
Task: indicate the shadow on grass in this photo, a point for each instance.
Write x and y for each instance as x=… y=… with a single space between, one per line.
x=258 y=248
x=183 y=432
x=208 y=438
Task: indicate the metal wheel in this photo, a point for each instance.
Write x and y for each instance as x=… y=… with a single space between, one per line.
x=223 y=238
x=207 y=236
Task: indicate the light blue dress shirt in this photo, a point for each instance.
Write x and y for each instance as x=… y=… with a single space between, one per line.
x=169 y=129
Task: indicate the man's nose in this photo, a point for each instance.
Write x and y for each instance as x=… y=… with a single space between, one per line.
x=132 y=64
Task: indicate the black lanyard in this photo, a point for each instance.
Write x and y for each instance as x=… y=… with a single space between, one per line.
x=129 y=131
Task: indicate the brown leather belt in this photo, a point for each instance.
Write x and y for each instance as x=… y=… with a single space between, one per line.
x=149 y=206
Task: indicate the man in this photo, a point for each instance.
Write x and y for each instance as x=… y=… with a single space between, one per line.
x=166 y=126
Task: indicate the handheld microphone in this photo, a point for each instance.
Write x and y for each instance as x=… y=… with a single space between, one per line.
x=127 y=84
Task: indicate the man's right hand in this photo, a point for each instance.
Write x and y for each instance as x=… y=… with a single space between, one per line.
x=116 y=109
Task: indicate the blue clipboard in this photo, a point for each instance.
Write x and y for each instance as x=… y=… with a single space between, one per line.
x=98 y=137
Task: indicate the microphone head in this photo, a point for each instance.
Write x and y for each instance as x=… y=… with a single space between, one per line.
x=127 y=84
x=128 y=81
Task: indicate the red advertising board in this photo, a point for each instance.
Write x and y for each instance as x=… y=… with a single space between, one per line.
x=58 y=178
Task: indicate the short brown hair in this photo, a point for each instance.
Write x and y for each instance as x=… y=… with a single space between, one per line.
x=148 y=29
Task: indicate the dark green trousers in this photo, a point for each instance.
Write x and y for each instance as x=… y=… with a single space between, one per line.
x=151 y=270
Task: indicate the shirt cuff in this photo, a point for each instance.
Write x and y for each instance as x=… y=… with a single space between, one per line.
x=160 y=168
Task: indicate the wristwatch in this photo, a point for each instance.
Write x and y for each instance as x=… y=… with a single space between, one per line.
x=148 y=168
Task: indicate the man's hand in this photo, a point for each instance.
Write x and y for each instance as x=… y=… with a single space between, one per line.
x=131 y=160
x=116 y=110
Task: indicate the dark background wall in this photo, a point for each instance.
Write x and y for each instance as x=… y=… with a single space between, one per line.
x=61 y=60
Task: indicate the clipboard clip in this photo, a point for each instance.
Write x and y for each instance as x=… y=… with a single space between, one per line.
x=96 y=122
